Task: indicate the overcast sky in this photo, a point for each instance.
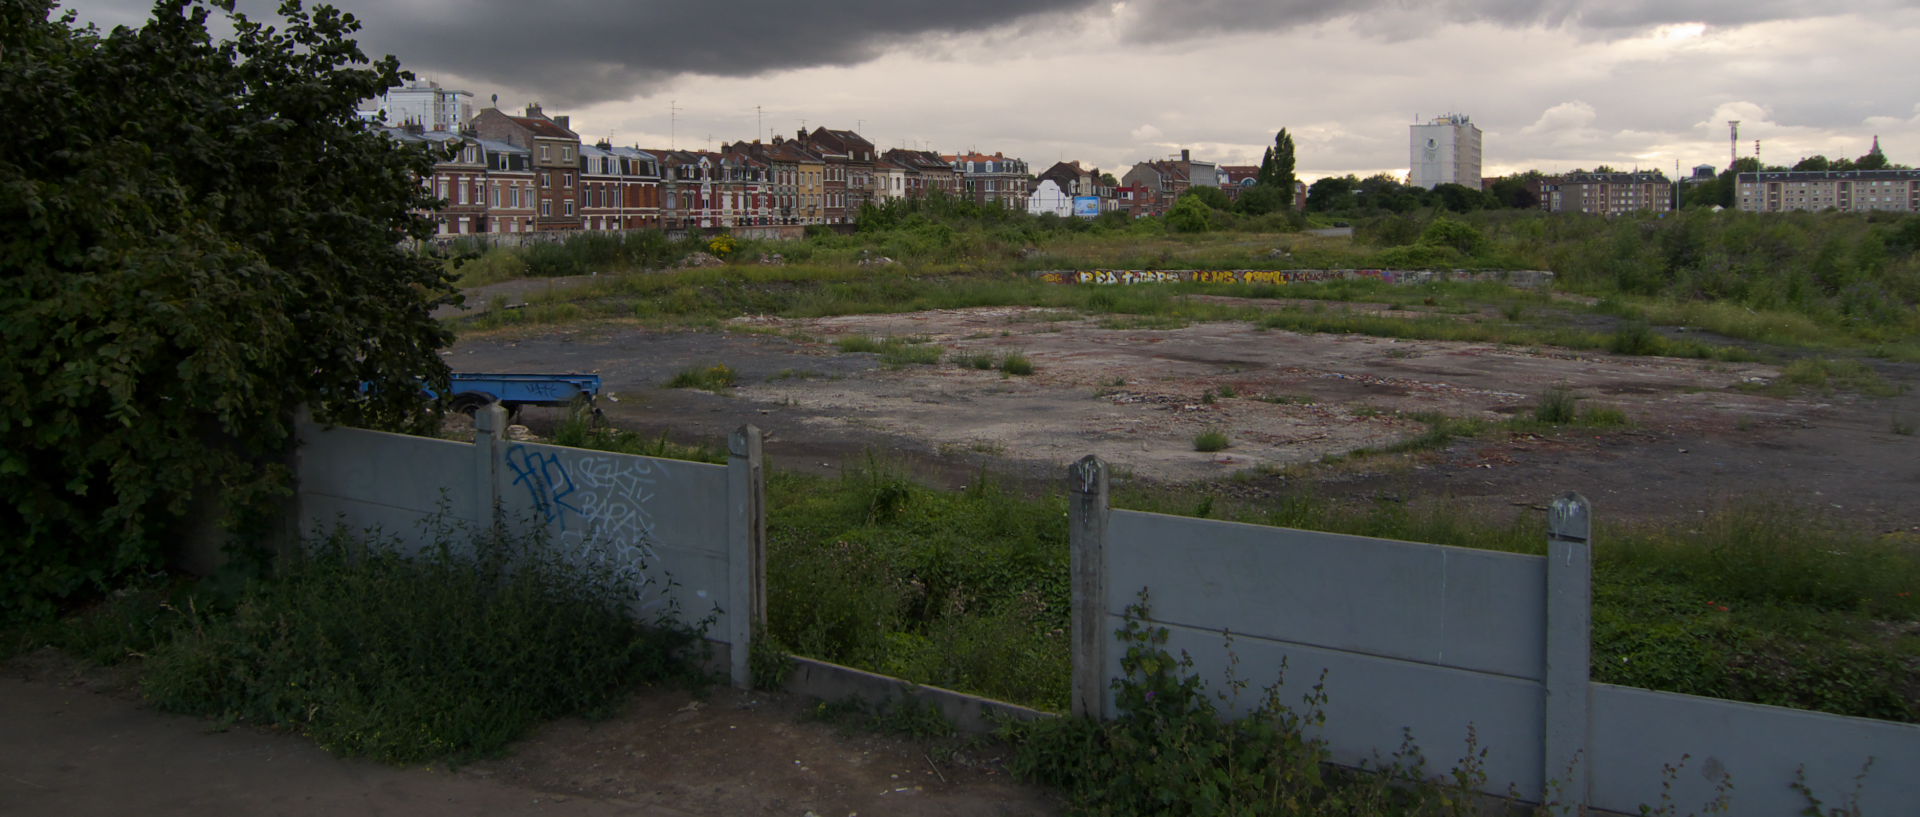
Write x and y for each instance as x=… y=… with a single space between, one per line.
x=1554 y=84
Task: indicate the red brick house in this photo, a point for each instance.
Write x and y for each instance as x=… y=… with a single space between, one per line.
x=555 y=152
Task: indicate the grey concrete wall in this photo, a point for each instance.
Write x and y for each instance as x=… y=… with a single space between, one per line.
x=663 y=520
x=375 y=480
x=1637 y=731
x=688 y=538
x=1435 y=641
x=1405 y=636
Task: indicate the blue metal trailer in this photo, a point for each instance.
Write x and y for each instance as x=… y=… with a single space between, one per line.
x=471 y=390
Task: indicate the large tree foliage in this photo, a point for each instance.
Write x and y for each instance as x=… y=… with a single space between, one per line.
x=1276 y=174
x=201 y=236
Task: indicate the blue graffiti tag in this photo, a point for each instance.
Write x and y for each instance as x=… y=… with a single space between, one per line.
x=547 y=481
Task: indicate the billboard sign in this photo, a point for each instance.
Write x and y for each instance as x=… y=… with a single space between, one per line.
x=1086 y=206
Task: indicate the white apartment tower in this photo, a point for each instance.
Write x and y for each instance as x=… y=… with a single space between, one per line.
x=426 y=104
x=1445 y=150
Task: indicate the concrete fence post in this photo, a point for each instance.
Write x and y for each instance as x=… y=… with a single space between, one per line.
x=746 y=548
x=1567 y=769
x=1087 y=536
x=489 y=424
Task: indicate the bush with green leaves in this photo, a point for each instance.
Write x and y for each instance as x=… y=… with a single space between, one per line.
x=202 y=235
x=1190 y=215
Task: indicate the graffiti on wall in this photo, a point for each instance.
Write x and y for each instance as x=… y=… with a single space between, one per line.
x=1531 y=279
x=1207 y=276
x=596 y=508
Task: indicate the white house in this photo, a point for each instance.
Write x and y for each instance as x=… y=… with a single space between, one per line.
x=1047 y=197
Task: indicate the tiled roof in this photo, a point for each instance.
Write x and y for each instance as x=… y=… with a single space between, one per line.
x=543 y=127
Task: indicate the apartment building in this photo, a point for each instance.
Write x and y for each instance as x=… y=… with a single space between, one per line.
x=998 y=179
x=1446 y=150
x=555 y=152
x=1608 y=194
x=1844 y=190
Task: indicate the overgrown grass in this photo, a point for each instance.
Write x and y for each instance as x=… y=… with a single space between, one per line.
x=894 y=352
x=412 y=658
x=966 y=590
x=878 y=572
x=1826 y=376
x=1016 y=363
x=1211 y=440
x=716 y=378
x=579 y=430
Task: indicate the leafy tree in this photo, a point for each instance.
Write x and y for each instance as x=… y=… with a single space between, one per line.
x=1814 y=162
x=1332 y=193
x=1277 y=168
x=1190 y=215
x=1874 y=160
x=1512 y=192
x=1212 y=197
x=1262 y=199
x=1460 y=198
x=201 y=236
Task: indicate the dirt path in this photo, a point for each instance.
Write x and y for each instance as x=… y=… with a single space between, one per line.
x=1139 y=396
x=76 y=743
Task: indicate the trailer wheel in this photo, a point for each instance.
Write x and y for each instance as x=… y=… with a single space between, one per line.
x=469 y=402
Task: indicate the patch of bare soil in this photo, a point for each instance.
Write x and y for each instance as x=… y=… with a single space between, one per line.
x=751 y=753
x=74 y=740
x=1139 y=397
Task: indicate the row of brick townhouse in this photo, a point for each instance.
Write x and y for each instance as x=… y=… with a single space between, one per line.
x=532 y=173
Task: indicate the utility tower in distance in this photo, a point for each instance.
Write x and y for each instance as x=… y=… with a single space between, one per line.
x=1733 y=142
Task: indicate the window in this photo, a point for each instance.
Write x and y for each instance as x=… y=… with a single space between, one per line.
x=566 y=178
x=460 y=193
x=569 y=203
x=546 y=178
x=496 y=194
x=546 y=207
x=440 y=186
x=544 y=155
x=566 y=154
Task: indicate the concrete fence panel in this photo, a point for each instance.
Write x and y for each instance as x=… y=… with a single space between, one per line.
x=690 y=536
x=374 y=480
x=1760 y=750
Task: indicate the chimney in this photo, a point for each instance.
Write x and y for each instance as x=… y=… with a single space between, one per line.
x=1185 y=155
x=801 y=134
x=562 y=121
x=533 y=110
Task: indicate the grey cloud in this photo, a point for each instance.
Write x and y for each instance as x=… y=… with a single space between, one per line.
x=577 y=52
x=1161 y=20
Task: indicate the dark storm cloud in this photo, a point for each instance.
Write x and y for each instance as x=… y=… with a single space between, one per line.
x=1155 y=20
x=577 y=52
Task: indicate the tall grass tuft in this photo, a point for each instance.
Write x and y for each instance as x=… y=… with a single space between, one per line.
x=453 y=653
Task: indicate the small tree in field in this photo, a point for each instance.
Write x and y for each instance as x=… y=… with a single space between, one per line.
x=201 y=236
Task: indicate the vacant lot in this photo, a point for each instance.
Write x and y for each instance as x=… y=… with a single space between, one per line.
x=1701 y=432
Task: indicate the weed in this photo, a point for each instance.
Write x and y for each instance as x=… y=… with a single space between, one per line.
x=1514 y=312
x=405 y=659
x=1901 y=424
x=716 y=378
x=793 y=374
x=1827 y=376
x=1016 y=363
x=973 y=360
x=1364 y=411
x=1206 y=397
x=1557 y=405
x=1634 y=337
x=1228 y=391
x=1599 y=416
x=1211 y=440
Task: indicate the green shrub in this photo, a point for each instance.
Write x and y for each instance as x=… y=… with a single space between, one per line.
x=413 y=658
x=1016 y=363
x=1634 y=337
x=1210 y=441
